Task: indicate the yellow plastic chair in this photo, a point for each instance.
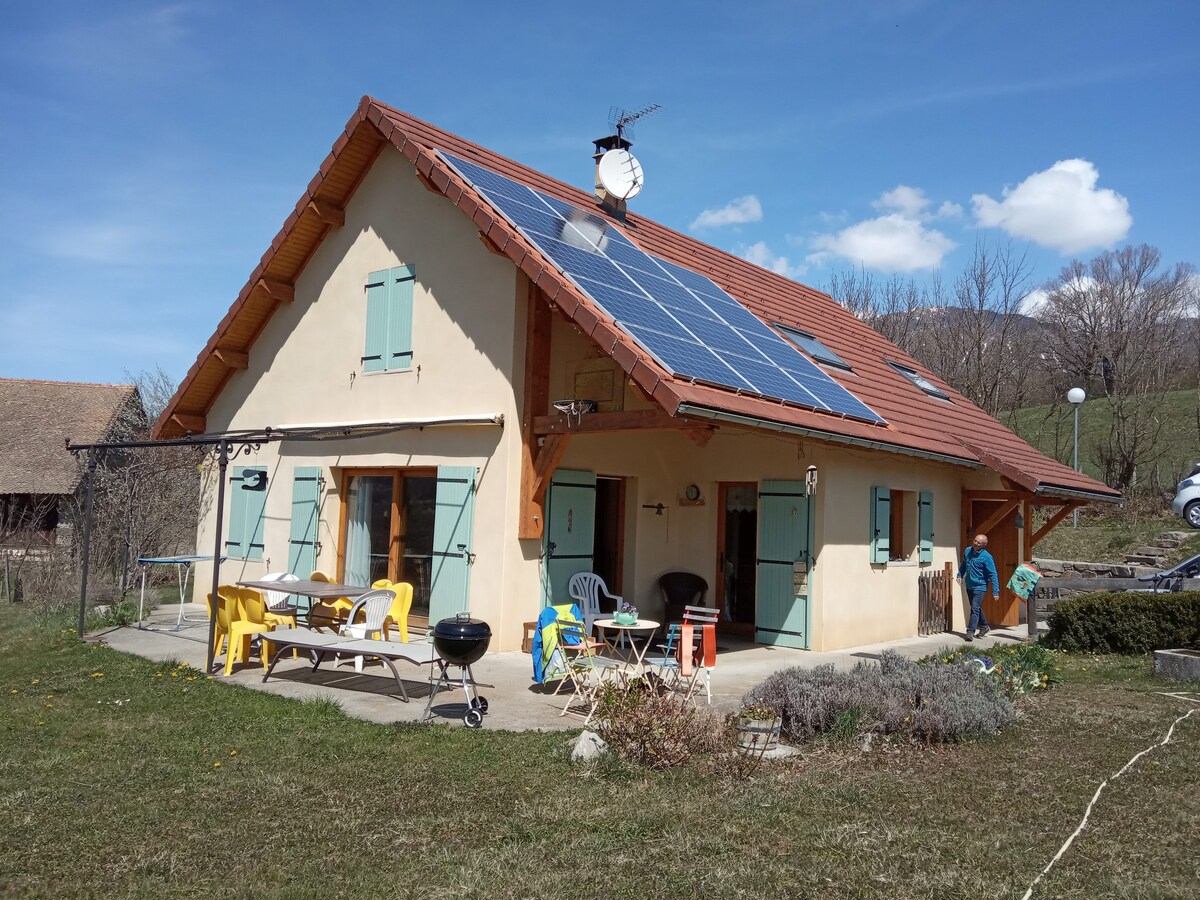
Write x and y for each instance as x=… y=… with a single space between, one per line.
x=222 y=629
x=327 y=613
x=397 y=616
x=249 y=623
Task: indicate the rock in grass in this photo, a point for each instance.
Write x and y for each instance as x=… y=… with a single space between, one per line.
x=588 y=746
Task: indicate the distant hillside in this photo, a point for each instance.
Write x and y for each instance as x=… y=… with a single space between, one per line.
x=1051 y=430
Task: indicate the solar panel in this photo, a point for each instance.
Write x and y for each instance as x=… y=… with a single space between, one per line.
x=690 y=326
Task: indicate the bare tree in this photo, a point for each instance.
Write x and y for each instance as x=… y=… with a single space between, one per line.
x=981 y=343
x=1118 y=326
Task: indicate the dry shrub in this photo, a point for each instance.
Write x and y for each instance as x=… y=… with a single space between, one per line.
x=656 y=730
x=929 y=703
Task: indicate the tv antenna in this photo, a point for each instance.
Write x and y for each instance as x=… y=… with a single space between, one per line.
x=622 y=119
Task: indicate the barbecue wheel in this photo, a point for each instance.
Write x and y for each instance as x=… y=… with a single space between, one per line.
x=473 y=718
x=480 y=703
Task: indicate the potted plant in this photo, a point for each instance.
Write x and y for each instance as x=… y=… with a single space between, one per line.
x=758 y=726
x=626 y=615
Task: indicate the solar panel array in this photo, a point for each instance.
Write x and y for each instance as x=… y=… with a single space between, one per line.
x=689 y=325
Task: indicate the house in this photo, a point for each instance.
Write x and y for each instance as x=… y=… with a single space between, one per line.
x=489 y=426
x=38 y=476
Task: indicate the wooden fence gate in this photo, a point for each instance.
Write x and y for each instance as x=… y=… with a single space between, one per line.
x=936 y=592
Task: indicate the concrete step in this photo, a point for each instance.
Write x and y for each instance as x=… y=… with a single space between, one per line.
x=1151 y=551
x=1167 y=543
x=1180 y=536
x=1139 y=559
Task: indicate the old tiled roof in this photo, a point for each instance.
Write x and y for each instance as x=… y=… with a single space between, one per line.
x=916 y=423
x=35 y=416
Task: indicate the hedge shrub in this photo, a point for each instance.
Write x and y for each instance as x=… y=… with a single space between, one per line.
x=1133 y=623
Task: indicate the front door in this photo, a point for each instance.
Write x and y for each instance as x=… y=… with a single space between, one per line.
x=784 y=564
x=570 y=532
x=737 y=536
x=1005 y=549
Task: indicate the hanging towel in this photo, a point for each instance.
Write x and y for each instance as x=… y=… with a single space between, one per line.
x=546 y=663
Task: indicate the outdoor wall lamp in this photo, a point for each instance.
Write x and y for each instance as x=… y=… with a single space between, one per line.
x=1020 y=520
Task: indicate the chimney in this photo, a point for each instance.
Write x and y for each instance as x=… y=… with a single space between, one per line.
x=613 y=205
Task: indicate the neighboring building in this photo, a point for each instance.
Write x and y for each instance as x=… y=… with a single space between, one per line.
x=397 y=296
x=38 y=476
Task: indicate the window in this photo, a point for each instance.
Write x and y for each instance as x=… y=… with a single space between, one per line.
x=388 y=346
x=901 y=526
x=247 y=499
x=920 y=381
x=813 y=347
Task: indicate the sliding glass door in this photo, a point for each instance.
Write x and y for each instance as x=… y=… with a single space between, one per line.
x=387 y=529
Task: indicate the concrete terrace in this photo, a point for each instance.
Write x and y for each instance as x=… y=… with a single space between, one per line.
x=515 y=701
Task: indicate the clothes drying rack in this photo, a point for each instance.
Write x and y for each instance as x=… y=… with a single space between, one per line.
x=183 y=569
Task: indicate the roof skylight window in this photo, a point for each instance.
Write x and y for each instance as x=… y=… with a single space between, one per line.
x=920 y=381
x=813 y=347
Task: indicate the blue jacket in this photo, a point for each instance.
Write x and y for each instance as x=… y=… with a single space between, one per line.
x=977 y=569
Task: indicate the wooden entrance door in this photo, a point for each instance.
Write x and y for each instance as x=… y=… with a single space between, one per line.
x=1005 y=549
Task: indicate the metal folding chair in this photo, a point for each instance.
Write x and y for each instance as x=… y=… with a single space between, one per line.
x=584 y=669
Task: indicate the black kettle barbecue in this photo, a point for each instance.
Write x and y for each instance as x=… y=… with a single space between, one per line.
x=460 y=641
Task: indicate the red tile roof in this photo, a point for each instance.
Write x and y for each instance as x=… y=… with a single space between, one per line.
x=916 y=423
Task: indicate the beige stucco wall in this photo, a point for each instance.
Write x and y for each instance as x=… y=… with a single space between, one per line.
x=306 y=368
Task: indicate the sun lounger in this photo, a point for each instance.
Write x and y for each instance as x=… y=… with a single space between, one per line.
x=322 y=644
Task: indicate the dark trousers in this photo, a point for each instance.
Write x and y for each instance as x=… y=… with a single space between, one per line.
x=976 y=595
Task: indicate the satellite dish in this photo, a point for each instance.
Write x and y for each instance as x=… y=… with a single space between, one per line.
x=620 y=174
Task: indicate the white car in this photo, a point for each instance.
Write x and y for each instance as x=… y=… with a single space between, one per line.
x=1187 y=498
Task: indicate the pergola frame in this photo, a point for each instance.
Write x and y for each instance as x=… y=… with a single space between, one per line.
x=229 y=445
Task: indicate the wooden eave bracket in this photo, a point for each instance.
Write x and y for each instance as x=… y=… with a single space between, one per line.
x=1067 y=507
x=327 y=212
x=234 y=359
x=188 y=422
x=280 y=291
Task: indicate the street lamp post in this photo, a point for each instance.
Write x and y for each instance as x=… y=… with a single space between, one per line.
x=1076 y=396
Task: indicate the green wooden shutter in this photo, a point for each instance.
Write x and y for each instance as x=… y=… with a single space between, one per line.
x=926 y=526
x=302 y=544
x=375 y=351
x=244 y=537
x=388 y=345
x=400 y=312
x=881 y=524
x=453 y=517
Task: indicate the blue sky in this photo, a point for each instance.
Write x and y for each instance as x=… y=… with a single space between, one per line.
x=152 y=150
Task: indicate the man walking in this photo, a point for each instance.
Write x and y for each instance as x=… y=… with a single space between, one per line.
x=974 y=573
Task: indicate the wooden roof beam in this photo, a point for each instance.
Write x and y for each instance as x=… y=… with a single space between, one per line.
x=633 y=420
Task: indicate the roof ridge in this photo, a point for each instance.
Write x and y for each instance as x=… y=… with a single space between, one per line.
x=71 y=383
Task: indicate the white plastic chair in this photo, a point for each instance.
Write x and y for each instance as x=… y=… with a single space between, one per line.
x=375 y=606
x=277 y=600
x=586 y=589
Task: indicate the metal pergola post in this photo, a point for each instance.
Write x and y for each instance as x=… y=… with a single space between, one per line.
x=87 y=535
x=222 y=464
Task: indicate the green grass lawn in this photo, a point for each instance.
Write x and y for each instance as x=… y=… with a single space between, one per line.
x=123 y=777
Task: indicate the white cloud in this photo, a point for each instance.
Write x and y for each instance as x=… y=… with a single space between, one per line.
x=908 y=201
x=735 y=212
x=892 y=243
x=760 y=254
x=1059 y=208
x=948 y=210
x=897 y=241
x=1034 y=301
